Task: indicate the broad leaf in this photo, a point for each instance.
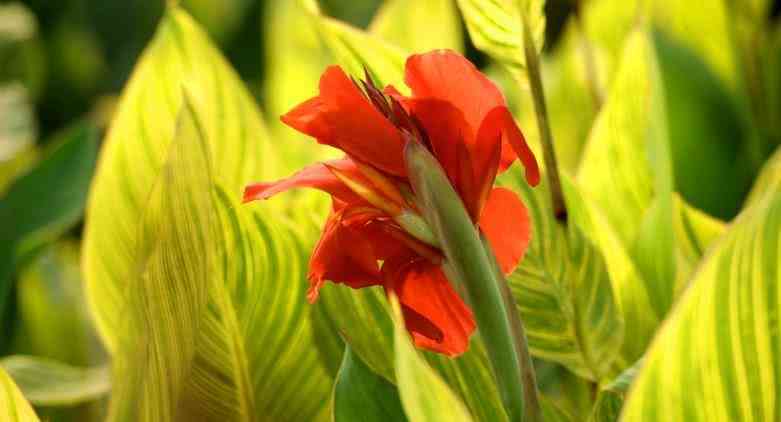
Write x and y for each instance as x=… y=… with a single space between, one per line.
x=13 y=406
x=61 y=181
x=138 y=139
x=495 y=28
x=425 y=396
x=419 y=26
x=46 y=382
x=212 y=294
x=360 y=394
x=563 y=289
x=728 y=316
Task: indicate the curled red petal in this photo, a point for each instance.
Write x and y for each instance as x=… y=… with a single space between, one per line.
x=513 y=142
x=505 y=222
x=316 y=176
x=433 y=312
x=342 y=117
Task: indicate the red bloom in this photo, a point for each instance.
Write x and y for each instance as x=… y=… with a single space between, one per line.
x=369 y=238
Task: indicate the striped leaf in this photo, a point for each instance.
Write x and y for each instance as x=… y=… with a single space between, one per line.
x=563 y=289
x=610 y=398
x=728 y=316
x=495 y=27
x=768 y=181
x=201 y=301
x=13 y=406
x=46 y=382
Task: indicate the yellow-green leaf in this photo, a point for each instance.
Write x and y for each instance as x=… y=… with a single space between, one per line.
x=728 y=317
x=13 y=406
x=769 y=180
x=419 y=26
x=46 y=382
x=495 y=28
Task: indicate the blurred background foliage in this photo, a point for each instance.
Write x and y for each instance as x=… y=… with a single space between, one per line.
x=63 y=64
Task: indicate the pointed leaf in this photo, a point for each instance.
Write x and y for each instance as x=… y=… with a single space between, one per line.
x=360 y=394
x=495 y=28
x=46 y=382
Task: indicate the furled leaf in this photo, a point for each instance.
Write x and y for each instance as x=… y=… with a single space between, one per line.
x=362 y=395
x=136 y=146
x=214 y=323
x=60 y=181
x=495 y=28
x=716 y=357
x=46 y=382
x=626 y=169
x=419 y=26
x=610 y=398
x=13 y=406
x=425 y=396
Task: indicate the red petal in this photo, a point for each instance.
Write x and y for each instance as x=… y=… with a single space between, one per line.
x=433 y=312
x=343 y=118
x=342 y=255
x=448 y=76
x=513 y=143
x=505 y=222
x=451 y=139
x=315 y=176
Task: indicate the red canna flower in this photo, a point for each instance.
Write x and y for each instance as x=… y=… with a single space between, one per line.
x=375 y=234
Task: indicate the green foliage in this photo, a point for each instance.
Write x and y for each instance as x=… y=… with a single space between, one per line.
x=497 y=29
x=46 y=382
x=725 y=316
x=360 y=394
x=61 y=180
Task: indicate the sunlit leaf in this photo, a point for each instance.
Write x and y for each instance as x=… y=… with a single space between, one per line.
x=495 y=28
x=563 y=289
x=214 y=323
x=222 y=19
x=419 y=26
x=425 y=396
x=17 y=124
x=360 y=394
x=13 y=406
x=46 y=382
x=138 y=139
x=356 y=50
x=728 y=316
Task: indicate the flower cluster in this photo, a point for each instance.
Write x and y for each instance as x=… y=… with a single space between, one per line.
x=375 y=235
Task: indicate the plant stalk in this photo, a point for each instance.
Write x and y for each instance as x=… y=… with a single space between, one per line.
x=471 y=267
x=541 y=110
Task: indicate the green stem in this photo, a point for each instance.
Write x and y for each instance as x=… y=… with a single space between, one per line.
x=541 y=110
x=472 y=268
